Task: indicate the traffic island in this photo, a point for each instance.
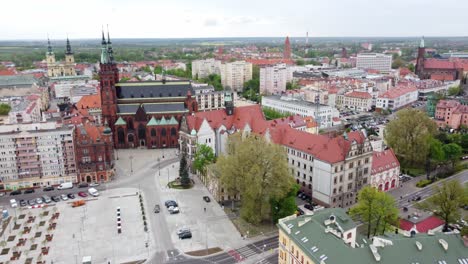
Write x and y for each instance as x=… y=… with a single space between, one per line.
x=177 y=185
x=204 y=252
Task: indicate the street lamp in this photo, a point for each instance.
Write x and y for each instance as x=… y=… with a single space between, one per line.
x=131 y=164
x=159 y=167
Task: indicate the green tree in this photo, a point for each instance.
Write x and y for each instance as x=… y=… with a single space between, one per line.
x=4 y=109
x=292 y=86
x=271 y=113
x=411 y=67
x=446 y=201
x=409 y=135
x=455 y=90
x=203 y=157
x=213 y=79
x=300 y=62
x=436 y=154
x=158 y=69
x=183 y=171
x=285 y=206
x=452 y=152
x=258 y=171
x=375 y=209
x=397 y=63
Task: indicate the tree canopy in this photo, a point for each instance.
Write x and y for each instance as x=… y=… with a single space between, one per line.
x=213 y=79
x=4 y=109
x=203 y=157
x=258 y=171
x=183 y=171
x=409 y=135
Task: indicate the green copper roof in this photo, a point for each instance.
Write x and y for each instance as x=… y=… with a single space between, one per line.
x=153 y=122
x=173 y=121
x=163 y=121
x=120 y=122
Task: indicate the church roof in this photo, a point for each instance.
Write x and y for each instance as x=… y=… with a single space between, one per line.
x=152 y=122
x=120 y=122
x=163 y=121
x=173 y=121
x=151 y=108
x=153 y=89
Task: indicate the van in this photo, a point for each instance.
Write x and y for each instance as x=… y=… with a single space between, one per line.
x=65 y=185
x=93 y=192
x=46 y=199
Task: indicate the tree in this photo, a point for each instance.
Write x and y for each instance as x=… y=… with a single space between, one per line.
x=183 y=171
x=436 y=153
x=285 y=206
x=397 y=63
x=409 y=135
x=446 y=201
x=203 y=157
x=376 y=209
x=455 y=90
x=411 y=67
x=4 y=109
x=452 y=152
x=258 y=171
x=292 y=85
x=300 y=62
x=213 y=79
x=271 y=113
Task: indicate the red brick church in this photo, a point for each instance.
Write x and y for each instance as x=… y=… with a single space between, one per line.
x=142 y=114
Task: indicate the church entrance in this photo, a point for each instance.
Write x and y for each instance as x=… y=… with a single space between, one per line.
x=88 y=178
x=142 y=142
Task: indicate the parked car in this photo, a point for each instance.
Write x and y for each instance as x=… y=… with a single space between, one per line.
x=32 y=202
x=173 y=210
x=29 y=191
x=93 y=192
x=206 y=198
x=185 y=235
x=65 y=185
x=71 y=196
x=157 y=209
x=48 y=189
x=83 y=185
x=299 y=211
x=182 y=230
x=309 y=206
x=82 y=194
x=17 y=192
x=22 y=203
x=170 y=203
x=40 y=201
x=94 y=184
x=13 y=203
x=55 y=199
x=64 y=197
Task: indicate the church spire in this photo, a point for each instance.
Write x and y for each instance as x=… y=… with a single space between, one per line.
x=421 y=44
x=49 y=47
x=104 y=52
x=68 y=51
x=109 y=47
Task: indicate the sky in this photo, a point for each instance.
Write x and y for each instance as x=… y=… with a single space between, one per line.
x=33 y=19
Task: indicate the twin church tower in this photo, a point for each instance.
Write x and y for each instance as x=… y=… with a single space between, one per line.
x=60 y=68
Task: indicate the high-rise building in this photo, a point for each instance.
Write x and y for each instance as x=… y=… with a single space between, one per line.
x=273 y=79
x=374 y=61
x=287 y=49
x=58 y=69
x=235 y=74
x=36 y=154
x=203 y=68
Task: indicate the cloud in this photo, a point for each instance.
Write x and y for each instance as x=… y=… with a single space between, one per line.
x=211 y=22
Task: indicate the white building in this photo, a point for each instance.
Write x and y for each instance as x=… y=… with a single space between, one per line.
x=63 y=88
x=385 y=170
x=359 y=101
x=207 y=98
x=397 y=98
x=77 y=92
x=374 y=61
x=203 y=68
x=36 y=154
x=235 y=74
x=273 y=79
x=322 y=114
x=26 y=109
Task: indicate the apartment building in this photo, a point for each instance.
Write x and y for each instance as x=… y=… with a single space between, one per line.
x=374 y=61
x=330 y=236
x=207 y=98
x=331 y=170
x=36 y=154
x=273 y=79
x=322 y=114
x=203 y=68
x=235 y=74
x=451 y=113
x=397 y=98
x=359 y=101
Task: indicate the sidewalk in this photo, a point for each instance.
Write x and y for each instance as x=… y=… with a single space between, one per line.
x=407 y=188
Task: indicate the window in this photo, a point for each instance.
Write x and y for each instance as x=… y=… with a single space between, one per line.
x=334 y=180
x=366 y=160
x=350 y=186
x=351 y=165
x=366 y=170
x=341 y=178
x=350 y=176
x=85 y=151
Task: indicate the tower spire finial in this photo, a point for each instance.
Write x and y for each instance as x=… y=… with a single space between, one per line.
x=110 y=52
x=103 y=42
x=108 y=36
x=49 y=47
x=68 y=51
x=421 y=44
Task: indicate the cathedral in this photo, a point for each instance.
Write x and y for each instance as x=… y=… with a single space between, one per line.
x=57 y=68
x=142 y=114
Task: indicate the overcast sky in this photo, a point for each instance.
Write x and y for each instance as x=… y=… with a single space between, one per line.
x=34 y=19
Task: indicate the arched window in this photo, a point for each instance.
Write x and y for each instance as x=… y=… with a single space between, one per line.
x=141 y=131
x=163 y=132
x=173 y=131
x=121 y=135
x=153 y=132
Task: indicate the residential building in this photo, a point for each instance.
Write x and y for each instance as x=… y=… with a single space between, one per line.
x=330 y=169
x=273 y=79
x=203 y=68
x=397 y=98
x=94 y=152
x=89 y=106
x=73 y=89
x=207 y=98
x=235 y=74
x=56 y=68
x=36 y=154
x=322 y=114
x=374 y=61
x=359 y=101
x=451 y=113
x=142 y=114
x=26 y=109
x=330 y=236
x=385 y=170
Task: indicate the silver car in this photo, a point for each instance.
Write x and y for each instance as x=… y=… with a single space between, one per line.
x=39 y=200
x=64 y=197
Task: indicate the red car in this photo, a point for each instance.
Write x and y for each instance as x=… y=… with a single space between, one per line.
x=82 y=194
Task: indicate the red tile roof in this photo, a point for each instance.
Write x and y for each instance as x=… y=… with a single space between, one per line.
x=397 y=92
x=324 y=148
x=447 y=104
x=361 y=95
x=439 y=64
x=384 y=160
x=422 y=226
x=89 y=101
x=8 y=71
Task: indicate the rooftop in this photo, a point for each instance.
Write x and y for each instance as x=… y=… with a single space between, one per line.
x=153 y=89
x=292 y=100
x=16 y=80
x=398 y=91
x=384 y=160
x=361 y=95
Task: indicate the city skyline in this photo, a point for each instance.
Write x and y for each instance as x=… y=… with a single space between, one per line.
x=209 y=19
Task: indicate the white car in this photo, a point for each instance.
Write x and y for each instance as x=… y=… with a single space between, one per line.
x=182 y=230
x=93 y=184
x=173 y=210
x=13 y=203
x=64 y=197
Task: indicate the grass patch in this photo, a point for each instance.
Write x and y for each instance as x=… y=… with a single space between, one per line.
x=177 y=185
x=204 y=252
x=250 y=230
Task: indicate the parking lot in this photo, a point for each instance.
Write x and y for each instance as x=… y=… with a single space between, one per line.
x=209 y=225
